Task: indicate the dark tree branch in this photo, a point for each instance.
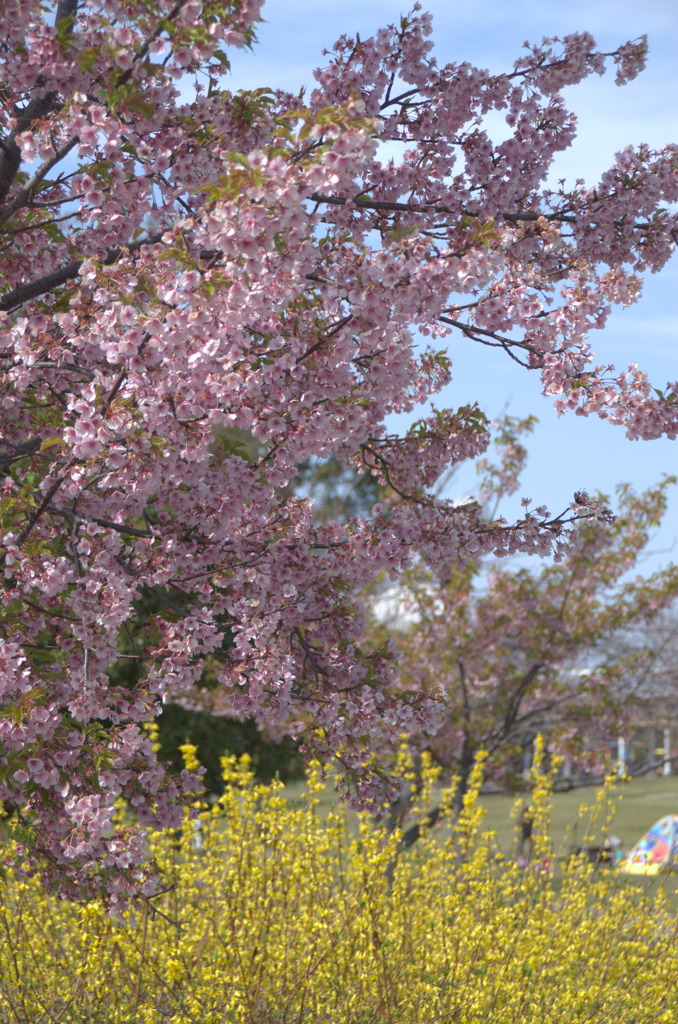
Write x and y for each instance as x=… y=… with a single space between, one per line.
x=42 y=285
x=517 y=697
x=410 y=837
x=38 y=107
x=65 y=9
x=395 y=207
x=479 y=334
x=44 y=504
x=24 y=193
x=309 y=653
x=33 y=289
x=10 y=160
x=18 y=451
x=73 y=517
x=328 y=334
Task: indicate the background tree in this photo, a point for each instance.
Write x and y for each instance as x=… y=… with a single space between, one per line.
x=179 y=257
x=650 y=692
x=564 y=649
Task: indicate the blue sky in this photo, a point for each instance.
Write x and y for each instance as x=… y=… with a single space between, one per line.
x=566 y=453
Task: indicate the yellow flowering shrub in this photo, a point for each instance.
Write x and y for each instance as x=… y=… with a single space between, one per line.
x=274 y=913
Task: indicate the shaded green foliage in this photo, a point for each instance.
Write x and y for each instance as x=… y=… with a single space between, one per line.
x=338 y=491
x=215 y=737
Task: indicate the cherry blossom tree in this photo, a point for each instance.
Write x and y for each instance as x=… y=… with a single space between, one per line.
x=516 y=652
x=181 y=258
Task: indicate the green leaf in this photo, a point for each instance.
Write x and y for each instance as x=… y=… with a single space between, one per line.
x=50 y=442
x=222 y=58
x=88 y=58
x=239 y=158
x=138 y=104
x=63 y=30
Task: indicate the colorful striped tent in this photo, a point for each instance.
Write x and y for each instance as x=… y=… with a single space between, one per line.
x=657 y=850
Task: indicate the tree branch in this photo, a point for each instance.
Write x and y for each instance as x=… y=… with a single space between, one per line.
x=42 y=285
x=65 y=9
x=38 y=107
x=44 y=504
x=395 y=207
x=24 y=193
x=497 y=340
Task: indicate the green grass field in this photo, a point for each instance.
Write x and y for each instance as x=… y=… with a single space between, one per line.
x=641 y=802
x=637 y=805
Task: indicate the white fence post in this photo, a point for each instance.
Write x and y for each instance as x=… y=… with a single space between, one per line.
x=621 y=756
